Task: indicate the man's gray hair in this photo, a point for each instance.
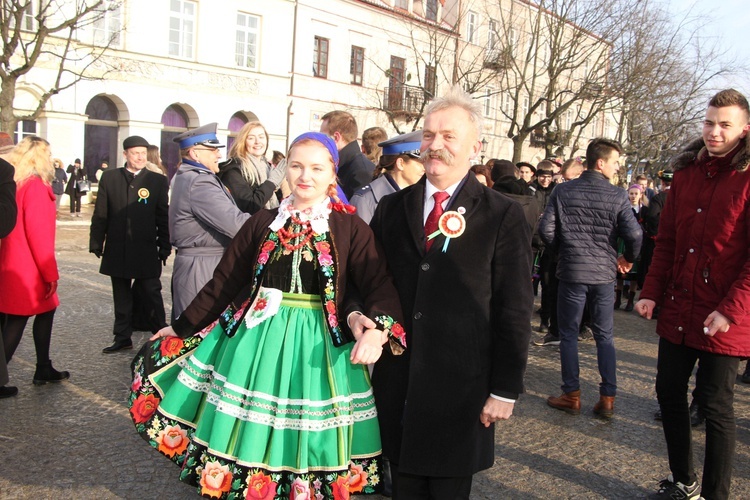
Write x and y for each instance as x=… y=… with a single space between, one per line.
x=460 y=99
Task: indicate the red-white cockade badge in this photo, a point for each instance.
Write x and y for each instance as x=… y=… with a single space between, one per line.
x=451 y=225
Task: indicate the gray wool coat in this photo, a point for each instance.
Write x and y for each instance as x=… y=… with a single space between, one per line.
x=203 y=219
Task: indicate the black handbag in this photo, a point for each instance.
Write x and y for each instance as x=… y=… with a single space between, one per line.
x=83 y=186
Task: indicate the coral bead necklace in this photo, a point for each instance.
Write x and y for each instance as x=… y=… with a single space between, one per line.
x=302 y=237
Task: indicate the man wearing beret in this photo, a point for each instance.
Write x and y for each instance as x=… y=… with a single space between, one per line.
x=129 y=232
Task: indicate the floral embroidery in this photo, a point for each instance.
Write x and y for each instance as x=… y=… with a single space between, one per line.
x=216 y=480
x=171 y=346
x=340 y=488
x=300 y=490
x=395 y=331
x=172 y=440
x=143 y=407
x=357 y=478
x=260 y=486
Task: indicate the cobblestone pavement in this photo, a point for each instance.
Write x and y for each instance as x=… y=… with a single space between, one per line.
x=75 y=440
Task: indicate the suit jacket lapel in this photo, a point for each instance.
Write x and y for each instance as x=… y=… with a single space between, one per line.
x=414 y=206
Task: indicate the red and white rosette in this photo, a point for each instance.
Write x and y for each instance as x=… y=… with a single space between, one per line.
x=451 y=225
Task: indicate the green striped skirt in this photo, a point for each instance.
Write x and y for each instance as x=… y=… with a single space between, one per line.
x=274 y=411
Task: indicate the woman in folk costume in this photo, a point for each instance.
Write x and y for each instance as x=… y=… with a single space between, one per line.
x=275 y=401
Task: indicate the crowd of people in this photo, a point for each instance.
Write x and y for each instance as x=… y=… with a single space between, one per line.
x=341 y=317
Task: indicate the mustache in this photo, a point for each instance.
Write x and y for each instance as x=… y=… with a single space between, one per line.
x=440 y=154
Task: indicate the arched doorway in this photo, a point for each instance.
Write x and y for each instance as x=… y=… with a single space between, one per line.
x=238 y=120
x=175 y=120
x=100 y=135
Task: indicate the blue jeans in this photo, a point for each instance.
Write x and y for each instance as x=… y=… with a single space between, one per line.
x=571 y=299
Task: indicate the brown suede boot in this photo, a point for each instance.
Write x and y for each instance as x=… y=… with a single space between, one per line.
x=569 y=402
x=605 y=408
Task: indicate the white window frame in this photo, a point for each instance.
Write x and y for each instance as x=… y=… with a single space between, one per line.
x=108 y=26
x=471 y=27
x=525 y=105
x=185 y=17
x=247 y=39
x=399 y=4
x=487 y=104
x=491 y=35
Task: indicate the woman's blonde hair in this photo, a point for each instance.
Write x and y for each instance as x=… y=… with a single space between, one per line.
x=32 y=157
x=239 y=148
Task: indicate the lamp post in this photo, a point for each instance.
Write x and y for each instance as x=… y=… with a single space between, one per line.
x=484 y=149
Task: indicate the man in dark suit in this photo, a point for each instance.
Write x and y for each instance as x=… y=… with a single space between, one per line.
x=465 y=289
x=355 y=170
x=129 y=231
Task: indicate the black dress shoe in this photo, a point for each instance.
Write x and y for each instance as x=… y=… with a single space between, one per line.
x=120 y=345
x=8 y=391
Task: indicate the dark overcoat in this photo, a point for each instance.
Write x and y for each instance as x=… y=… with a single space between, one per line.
x=467 y=312
x=130 y=224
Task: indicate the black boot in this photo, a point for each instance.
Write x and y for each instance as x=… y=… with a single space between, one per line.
x=618 y=297
x=629 y=305
x=45 y=374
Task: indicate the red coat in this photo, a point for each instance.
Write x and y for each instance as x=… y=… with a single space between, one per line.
x=702 y=260
x=27 y=254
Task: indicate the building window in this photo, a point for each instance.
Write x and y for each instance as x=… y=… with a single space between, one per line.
x=107 y=25
x=492 y=35
x=357 y=64
x=246 y=46
x=525 y=106
x=401 y=4
x=320 y=57
x=513 y=41
x=181 y=28
x=431 y=8
x=24 y=128
x=471 y=27
x=430 y=79
x=568 y=119
x=487 y=102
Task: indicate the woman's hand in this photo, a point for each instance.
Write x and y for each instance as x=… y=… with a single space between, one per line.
x=51 y=289
x=369 y=347
x=167 y=331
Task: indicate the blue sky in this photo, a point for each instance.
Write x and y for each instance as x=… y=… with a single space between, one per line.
x=729 y=22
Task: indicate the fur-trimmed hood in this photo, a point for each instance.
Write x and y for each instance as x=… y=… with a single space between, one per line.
x=696 y=149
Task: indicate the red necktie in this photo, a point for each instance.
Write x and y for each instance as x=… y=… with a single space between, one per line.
x=431 y=225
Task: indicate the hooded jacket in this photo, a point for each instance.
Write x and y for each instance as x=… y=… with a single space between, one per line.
x=701 y=262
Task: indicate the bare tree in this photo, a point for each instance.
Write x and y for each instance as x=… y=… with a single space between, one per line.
x=550 y=68
x=43 y=33
x=662 y=75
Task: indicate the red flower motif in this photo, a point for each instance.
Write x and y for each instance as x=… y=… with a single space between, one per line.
x=268 y=246
x=357 y=478
x=398 y=331
x=171 y=346
x=260 y=486
x=260 y=304
x=330 y=307
x=340 y=488
x=216 y=480
x=323 y=247
x=143 y=407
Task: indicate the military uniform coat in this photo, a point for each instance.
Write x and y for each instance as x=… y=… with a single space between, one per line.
x=129 y=224
x=366 y=199
x=467 y=313
x=203 y=219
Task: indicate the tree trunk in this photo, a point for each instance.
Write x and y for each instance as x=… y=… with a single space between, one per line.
x=8 y=119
